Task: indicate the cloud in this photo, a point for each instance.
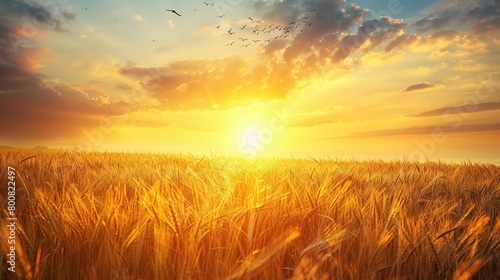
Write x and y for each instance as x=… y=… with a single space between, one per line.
x=425 y=130
x=419 y=86
x=402 y=41
x=20 y=21
x=44 y=113
x=467 y=108
x=24 y=18
x=482 y=15
x=486 y=17
x=216 y=83
x=316 y=118
x=29 y=108
x=434 y=22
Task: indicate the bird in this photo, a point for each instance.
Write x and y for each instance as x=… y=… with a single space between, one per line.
x=221 y=16
x=229 y=31
x=243 y=27
x=242 y=39
x=209 y=3
x=173 y=11
x=154 y=41
x=218 y=26
x=251 y=19
x=230 y=44
x=311 y=11
x=246 y=45
x=255 y=41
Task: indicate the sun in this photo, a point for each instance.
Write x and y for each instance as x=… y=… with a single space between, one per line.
x=251 y=137
x=250 y=142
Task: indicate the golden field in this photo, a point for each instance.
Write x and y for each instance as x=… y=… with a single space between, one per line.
x=153 y=216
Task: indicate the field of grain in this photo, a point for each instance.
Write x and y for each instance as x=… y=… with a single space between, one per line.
x=147 y=216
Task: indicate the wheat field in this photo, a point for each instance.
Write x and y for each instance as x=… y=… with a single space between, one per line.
x=153 y=216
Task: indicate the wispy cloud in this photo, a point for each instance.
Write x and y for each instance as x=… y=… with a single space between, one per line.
x=467 y=108
x=419 y=86
x=425 y=130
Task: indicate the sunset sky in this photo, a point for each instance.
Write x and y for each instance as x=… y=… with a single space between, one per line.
x=322 y=78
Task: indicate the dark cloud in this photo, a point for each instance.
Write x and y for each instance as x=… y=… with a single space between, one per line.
x=402 y=41
x=486 y=17
x=467 y=108
x=419 y=86
x=32 y=16
x=335 y=32
x=483 y=15
x=29 y=108
x=20 y=21
x=434 y=22
x=51 y=113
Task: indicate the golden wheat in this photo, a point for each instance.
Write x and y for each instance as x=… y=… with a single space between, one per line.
x=150 y=216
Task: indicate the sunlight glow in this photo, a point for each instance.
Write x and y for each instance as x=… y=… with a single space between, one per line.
x=251 y=138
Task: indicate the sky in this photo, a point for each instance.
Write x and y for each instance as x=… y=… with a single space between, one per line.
x=392 y=79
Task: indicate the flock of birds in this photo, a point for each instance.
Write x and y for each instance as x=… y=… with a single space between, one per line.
x=258 y=27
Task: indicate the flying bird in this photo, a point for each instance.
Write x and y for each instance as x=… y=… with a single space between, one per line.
x=242 y=39
x=243 y=27
x=221 y=16
x=218 y=26
x=173 y=12
x=246 y=45
x=255 y=41
x=251 y=19
x=209 y=3
x=230 y=44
